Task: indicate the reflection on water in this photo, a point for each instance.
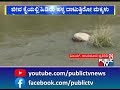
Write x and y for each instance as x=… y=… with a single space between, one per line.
x=46 y=40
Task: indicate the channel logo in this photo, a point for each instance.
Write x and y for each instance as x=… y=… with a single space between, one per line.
x=19 y=82
x=105 y=62
x=20 y=72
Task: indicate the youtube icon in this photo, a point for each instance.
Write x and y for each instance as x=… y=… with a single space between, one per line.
x=20 y=72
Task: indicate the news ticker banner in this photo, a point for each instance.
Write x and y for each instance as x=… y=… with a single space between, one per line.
x=103 y=59
x=60 y=78
x=59 y=10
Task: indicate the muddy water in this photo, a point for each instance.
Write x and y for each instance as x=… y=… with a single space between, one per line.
x=46 y=40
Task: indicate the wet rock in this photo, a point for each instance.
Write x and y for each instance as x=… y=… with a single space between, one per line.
x=81 y=37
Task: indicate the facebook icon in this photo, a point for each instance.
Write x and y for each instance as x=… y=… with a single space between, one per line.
x=20 y=82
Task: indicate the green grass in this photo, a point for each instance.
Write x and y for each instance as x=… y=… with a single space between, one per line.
x=102 y=37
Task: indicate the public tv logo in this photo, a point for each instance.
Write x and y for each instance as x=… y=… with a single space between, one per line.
x=20 y=72
x=20 y=82
x=105 y=62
